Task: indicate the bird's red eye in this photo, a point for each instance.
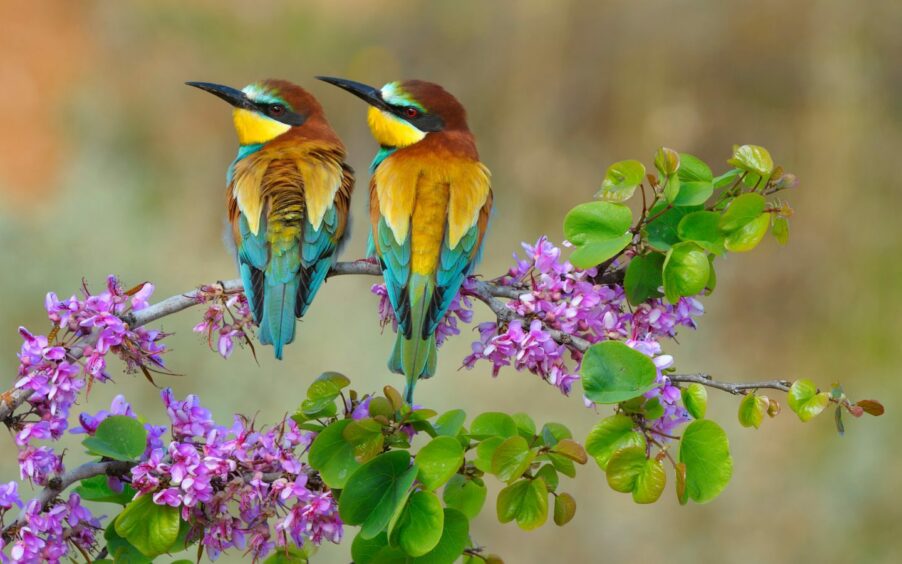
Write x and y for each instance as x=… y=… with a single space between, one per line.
x=411 y=112
x=277 y=109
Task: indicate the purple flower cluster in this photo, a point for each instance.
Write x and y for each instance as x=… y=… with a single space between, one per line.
x=45 y=533
x=50 y=371
x=461 y=309
x=227 y=320
x=231 y=482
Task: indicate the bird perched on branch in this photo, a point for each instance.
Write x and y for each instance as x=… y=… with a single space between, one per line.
x=288 y=195
x=430 y=200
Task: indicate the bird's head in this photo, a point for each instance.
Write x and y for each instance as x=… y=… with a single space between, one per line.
x=267 y=109
x=405 y=112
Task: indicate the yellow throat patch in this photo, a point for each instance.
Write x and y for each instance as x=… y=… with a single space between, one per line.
x=254 y=128
x=391 y=131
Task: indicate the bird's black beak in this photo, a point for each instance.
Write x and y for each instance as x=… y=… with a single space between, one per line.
x=368 y=94
x=234 y=97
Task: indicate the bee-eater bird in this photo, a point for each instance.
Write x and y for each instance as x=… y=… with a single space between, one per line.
x=288 y=195
x=430 y=200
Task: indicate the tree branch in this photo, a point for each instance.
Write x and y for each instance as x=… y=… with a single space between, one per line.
x=492 y=295
x=737 y=388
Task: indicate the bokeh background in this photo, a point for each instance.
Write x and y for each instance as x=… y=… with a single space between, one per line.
x=108 y=164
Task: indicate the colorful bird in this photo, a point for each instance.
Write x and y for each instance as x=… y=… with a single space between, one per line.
x=430 y=200
x=288 y=195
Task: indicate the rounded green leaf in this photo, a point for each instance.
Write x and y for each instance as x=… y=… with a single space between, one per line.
x=552 y=433
x=705 y=451
x=525 y=425
x=596 y=252
x=748 y=236
x=752 y=158
x=610 y=435
x=599 y=230
x=805 y=401
x=686 y=271
x=624 y=468
x=696 y=181
x=375 y=490
x=525 y=501
x=419 y=528
x=596 y=221
x=465 y=495
x=118 y=437
x=701 y=227
x=322 y=393
x=548 y=473
x=564 y=509
x=742 y=210
x=484 y=453
x=455 y=537
x=612 y=372
x=375 y=550
x=650 y=482
x=97 y=488
x=621 y=180
x=662 y=231
x=120 y=550
x=450 y=423
x=438 y=461
x=752 y=409
x=333 y=456
x=511 y=458
x=149 y=527
x=493 y=424
x=644 y=278
x=695 y=400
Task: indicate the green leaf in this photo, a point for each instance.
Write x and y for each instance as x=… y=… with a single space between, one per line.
x=464 y=495
x=375 y=490
x=781 y=230
x=752 y=409
x=805 y=401
x=662 y=231
x=552 y=433
x=288 y=555
x=549 y=475
x=333 y=456
x=644 y=278
x=525 y=501
x=450 y=423
x=621 y=180
x=672 y=189
x=564 y=509
x=686 y=271
x=572 y=450
x=420 y=525
x=438 y=461
x=705 y=451
x=366 y=436
x=321 y=395
x=599 y=230
x=120 y=550
x=701 y=227
x=612 y=372
x=629 y=471
x=525 y=425
x=118 y=437
x=696 y=181
x=748 y=236
x=375 y=550
x=149 y=527
x=742 y=210
x=493 y=424
x=752 y=158
x=596 y=252
x=485 y=451
x=455 y=537
x=695 y=400
x=511 y=459
x=727 y=179
x=381 y=406
x=97 y=489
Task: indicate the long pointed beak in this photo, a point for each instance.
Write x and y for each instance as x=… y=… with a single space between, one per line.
x=234 y=97
x=368 y=94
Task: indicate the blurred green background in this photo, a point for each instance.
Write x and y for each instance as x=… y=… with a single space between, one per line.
x=108 y=164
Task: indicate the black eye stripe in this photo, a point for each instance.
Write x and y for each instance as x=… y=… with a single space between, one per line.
x=287 y=116
x=422 y=120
